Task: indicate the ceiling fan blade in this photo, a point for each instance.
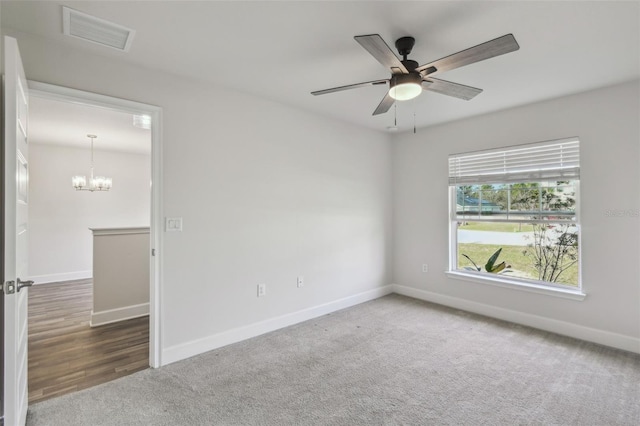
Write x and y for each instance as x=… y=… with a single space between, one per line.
x=496 y=47
x=384 y=105
x=350 y=86
x=375 y=45
x=451 y=89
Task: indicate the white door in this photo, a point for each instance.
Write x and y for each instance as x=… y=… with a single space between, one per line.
x=16 y=184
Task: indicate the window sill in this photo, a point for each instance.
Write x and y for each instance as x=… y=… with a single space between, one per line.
x=517 y=285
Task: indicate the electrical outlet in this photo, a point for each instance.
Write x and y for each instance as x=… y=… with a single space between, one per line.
x=262 y=290
x=425 y=267
x=300 y=281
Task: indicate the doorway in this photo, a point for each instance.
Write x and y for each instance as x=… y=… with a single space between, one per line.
x=46 y=92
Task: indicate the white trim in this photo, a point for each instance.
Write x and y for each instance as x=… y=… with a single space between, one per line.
x=195 y=347
x=63 y=276
x=59 y=93
x=118 y=314
x=515 y=284
x=80 y=97
x=602 y=337
x=156 y=244
x=120 y=231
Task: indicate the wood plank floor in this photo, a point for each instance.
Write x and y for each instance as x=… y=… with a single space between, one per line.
x=65 y=354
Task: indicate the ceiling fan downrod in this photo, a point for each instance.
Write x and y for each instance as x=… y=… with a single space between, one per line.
x=404 y=45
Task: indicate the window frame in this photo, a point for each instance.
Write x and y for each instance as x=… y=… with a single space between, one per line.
x=530 y=285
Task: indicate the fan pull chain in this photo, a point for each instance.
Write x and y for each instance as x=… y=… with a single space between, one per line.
x=395 y=114
x=414 y=122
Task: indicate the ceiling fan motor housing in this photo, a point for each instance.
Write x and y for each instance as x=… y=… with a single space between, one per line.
x=412 y=77
x=410 y=65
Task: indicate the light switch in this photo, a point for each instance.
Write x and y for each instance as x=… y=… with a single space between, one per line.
x=173 y=224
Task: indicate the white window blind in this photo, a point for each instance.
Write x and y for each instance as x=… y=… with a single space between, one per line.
x=544 y=161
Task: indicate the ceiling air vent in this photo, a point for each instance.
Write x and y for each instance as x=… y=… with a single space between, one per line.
x=96 y=30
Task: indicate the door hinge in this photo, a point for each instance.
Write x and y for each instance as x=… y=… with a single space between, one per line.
x=9 y=287
x=153 y=252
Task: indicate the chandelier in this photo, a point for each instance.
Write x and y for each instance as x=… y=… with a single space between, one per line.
x=97 y=183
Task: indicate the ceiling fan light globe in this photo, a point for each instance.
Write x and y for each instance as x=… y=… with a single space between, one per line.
x=405 y=91
x=405 y=86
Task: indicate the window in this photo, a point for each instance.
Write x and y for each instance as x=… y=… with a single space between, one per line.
x=515 y=214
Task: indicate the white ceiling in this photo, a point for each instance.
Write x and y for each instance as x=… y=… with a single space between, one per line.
x=284 y=50
x=53 y=122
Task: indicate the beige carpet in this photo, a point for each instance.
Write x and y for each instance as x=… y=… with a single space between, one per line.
x=392 y=361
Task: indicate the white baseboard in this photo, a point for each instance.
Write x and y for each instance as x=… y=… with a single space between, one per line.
x=594 y=335
x=195 y=347
x=119 y=314
x=65 y=276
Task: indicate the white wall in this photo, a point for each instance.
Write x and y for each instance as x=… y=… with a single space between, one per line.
x=60 y=217
x=608 y=125
x=267 y=193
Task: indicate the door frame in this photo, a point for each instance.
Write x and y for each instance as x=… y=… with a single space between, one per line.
x=66 y=94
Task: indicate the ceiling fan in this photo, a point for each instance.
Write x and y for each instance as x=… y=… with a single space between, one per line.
x=408 y=79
